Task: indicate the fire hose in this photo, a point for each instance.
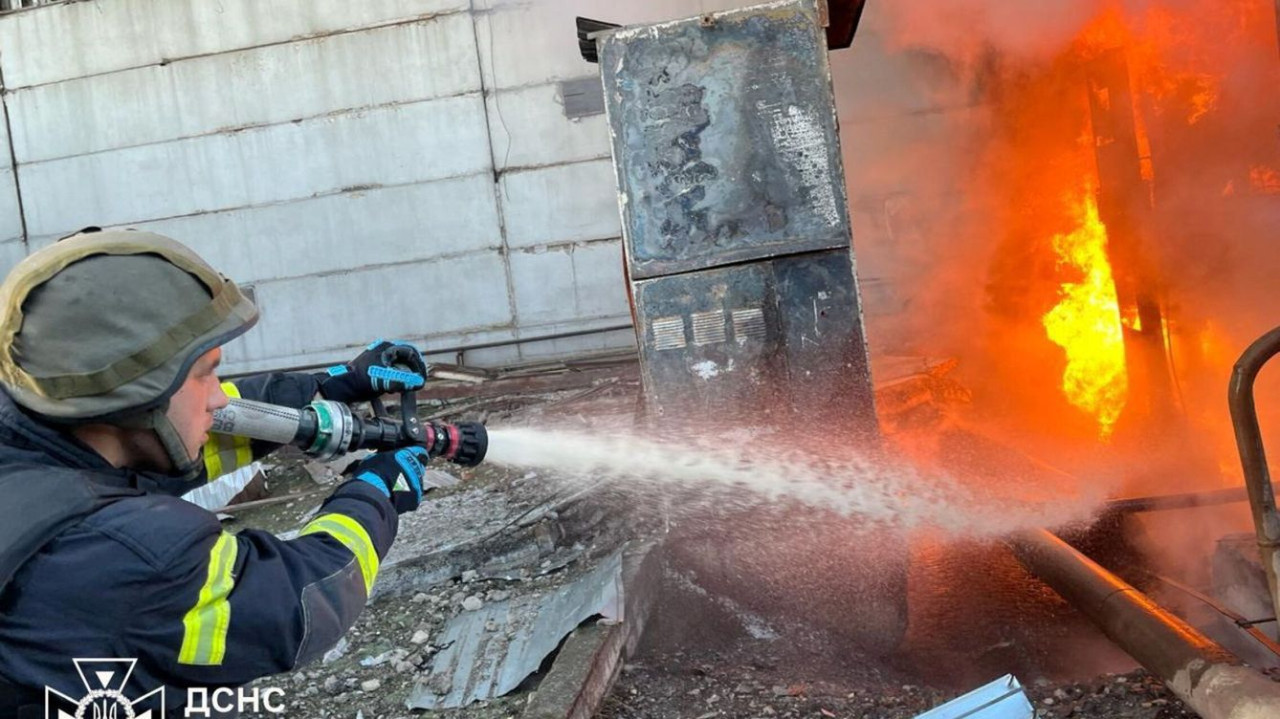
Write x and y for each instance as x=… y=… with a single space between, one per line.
x=327 y=430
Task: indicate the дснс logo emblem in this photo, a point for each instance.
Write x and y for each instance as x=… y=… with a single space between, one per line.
x=104 y=682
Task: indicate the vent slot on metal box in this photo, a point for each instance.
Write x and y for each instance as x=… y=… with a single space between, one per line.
x=668 y=333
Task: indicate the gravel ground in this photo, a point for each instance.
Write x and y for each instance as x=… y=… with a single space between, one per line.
x=706 y=687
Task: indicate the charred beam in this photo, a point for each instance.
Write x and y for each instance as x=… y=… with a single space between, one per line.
x=1125 y=207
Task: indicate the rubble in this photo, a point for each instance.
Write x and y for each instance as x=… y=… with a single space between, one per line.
x=665 y=687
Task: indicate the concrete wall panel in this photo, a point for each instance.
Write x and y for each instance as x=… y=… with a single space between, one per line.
x=339 y=232
x=337 y=156
x=529 y=129
x=529 y=43
x=396 y=145
x=303 y=318
x=61 y=42
x=11 y=253
x=277 y=83
x=569 y=283
x=566 y=203
x=10 y=217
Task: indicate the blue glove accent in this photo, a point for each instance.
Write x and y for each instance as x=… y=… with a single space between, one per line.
x=414 y=460
x=382 y=377
x=384 y=368
x=398 y=475
x=375 y=343
x=376 y=481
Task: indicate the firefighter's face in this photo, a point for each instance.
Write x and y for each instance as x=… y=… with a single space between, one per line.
x=191 y=408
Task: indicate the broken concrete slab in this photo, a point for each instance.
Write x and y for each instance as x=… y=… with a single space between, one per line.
x=492 y=650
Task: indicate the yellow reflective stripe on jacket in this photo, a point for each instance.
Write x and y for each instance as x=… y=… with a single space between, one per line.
x=224 y=453
x=204 y=638
x=353 y=537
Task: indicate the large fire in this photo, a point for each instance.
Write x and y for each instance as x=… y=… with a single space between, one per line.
x=1086 y=322
x=1107 y=189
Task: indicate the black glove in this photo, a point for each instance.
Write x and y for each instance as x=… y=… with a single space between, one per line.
x=374 y=373
x=397 y=474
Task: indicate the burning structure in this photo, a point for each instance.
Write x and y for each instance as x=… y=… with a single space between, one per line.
x=1113 y=133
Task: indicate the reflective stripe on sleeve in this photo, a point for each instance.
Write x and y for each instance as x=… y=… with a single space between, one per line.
x=204 y=638
x=354 y=537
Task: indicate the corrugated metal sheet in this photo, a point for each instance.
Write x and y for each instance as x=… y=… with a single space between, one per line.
x=489 y=652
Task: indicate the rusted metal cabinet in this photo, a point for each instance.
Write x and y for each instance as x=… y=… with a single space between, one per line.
x=737 y=238
x=735 y=216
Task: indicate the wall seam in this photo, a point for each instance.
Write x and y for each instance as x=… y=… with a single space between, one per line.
x=13 y=159
x=162 y=62
x=505 y=249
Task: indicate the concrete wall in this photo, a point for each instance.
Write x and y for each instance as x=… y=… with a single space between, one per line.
x=382 y=168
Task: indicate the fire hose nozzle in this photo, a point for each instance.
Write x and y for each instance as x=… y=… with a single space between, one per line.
x=464 y=443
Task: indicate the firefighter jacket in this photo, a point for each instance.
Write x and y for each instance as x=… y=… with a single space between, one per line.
x=103 y=562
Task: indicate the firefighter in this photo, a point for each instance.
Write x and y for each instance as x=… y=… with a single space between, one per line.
x=109 y=351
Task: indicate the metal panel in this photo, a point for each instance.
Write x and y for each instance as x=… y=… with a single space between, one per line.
x=301 y=316
x=767 y=337
x=529 y=129
x=758 y=337
x=403 y=144
x=419 y=61
x=80 y=39
x=829 y=373
x=489 y=652
x=582 y=97
x=725 y=138
x=1003 y=698
x=697 y=370
x=567 y=283
x=558 y=204
x=337 y=232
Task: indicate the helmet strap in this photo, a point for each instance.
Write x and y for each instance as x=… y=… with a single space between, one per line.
x=157 y=420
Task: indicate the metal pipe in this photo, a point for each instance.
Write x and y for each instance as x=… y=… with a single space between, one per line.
x=1253 y=458
x=1208 y=678
x=1188 y=500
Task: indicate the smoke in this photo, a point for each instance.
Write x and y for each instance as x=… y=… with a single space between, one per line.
x=963 y=29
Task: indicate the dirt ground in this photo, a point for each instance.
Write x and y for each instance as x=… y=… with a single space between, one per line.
x=975 y=614
x=703 y=686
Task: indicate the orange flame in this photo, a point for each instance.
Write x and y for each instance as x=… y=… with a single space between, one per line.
x=1086 y=321
x=1265 y=180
